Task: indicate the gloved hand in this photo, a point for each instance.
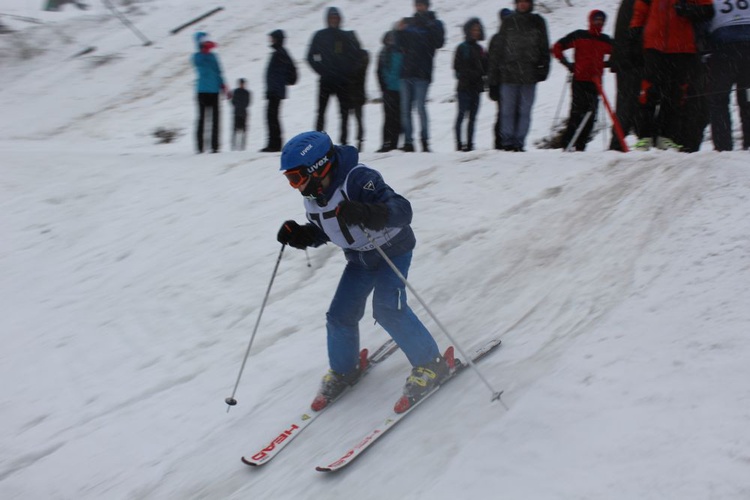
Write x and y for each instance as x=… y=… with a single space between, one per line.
x=495 y=92
x=371 y=215
x=296 y=236
x=571 y=66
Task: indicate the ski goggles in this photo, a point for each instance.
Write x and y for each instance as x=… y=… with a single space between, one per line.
x=297 y=177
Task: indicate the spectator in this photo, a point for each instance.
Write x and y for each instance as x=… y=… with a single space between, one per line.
x=521 y=58
x=590 y=46
x=493 y=77
x=280 y=72
x=729 y=65
x=669 y=55
x=470 y=66
x=418 y=37
x=627 y=65
x=241 y=99
x=209 y=84
x=390 y=61
x=333 y=54
x=358 y=95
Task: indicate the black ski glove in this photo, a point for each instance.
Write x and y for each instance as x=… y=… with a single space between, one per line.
x=495 y=92
x=371 y=215
x=296 y=236
x=571 y=67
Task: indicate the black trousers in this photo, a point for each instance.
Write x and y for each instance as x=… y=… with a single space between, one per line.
x=392 y=118
x=207 y=102
x=729 y=65
x=272 y=120
x=325 y=91
x=585 y=99
x=239 y=132
x=627 y=108
x=663 y=92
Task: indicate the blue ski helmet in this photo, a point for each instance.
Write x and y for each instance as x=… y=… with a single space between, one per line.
x=310 y=150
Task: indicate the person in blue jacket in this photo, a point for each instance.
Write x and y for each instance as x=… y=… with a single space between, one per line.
x=209 y=85
x=390 y=60
x=349 y=204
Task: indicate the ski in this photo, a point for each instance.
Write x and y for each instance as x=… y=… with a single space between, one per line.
x=301 y=422
x=394 y=418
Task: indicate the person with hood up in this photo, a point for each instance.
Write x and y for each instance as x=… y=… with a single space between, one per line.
x=591 y=47
x=418 y=37
x=520 y=59
x=334 y=54
x=349 y=204
x=390 y=60
x=280 y=72
x=209 y=84
x=470 y=67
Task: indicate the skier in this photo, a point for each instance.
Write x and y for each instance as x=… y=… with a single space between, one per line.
x=350 y=205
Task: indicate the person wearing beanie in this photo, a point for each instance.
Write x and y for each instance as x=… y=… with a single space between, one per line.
x=470 y=67
x=335 y=55
x=591 y=47
x=519 y=60
x=280 y=72
x=209 y=84
x=493 y=77
x=419 y=37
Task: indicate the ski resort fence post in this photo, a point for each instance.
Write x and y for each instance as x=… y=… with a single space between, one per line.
x=495 y=394
x=230 y=401
x=615 y=122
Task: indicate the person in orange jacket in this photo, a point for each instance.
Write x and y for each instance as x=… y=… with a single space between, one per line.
x=665 y=30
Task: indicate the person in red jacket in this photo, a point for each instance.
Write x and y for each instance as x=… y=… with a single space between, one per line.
x=665 y=30
x=591 y=47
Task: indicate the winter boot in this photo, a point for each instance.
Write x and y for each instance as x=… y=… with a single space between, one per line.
x=408 y=147
x=425 y=146
x=425 y=379
x=665 y=143
x=644 y=144
x=332 y=386
x=459 y=146
x=385 y=148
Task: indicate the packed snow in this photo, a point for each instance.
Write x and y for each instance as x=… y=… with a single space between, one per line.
x=133 y=275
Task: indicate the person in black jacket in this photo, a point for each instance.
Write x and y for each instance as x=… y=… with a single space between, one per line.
x=418 y=37
x=626 y=62
x=519 y=60
x=241 y=98
x=493 y=79
x=333 y=54
x=470 y=66
x=390 y=60
x=281 y=72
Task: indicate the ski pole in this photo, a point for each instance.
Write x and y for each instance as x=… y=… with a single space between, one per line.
x=230 y=401
x=559 y=105
x=585 y=120
x=612 y=116
x=495 y=394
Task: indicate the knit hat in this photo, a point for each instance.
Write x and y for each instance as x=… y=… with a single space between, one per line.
x=504 y=13
x=333 y=11
x=277 y=35
x=424 y=2
x=597 y=14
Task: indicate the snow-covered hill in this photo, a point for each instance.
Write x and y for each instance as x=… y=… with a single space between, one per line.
x=133 y=274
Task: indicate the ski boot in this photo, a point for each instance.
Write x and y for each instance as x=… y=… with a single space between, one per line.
x=334 y=384
x=425 y=379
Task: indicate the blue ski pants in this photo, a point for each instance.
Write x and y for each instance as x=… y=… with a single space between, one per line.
x=389 y=309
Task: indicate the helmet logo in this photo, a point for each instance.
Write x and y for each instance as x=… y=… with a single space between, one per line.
x=307 y=148
x=315 y=166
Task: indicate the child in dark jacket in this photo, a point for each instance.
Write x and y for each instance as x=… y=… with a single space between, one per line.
x=470 y=65
x=241 y=99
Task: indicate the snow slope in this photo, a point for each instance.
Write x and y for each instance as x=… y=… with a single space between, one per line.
x=133 y=274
